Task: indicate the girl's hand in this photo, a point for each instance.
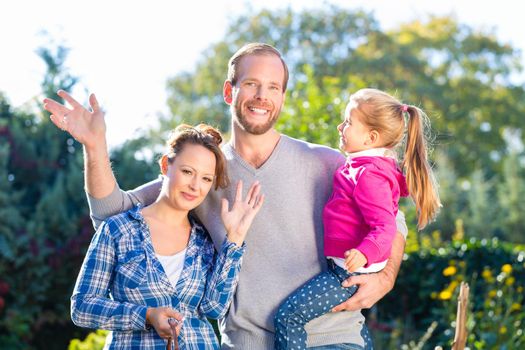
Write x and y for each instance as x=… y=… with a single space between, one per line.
x=354 y=259
x=87 y=127
x=238 y=220
x=159 y=318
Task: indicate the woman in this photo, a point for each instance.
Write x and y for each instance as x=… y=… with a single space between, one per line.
x=149 y=265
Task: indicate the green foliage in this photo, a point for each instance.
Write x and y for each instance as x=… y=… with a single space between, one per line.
x=93 y=341
x=427 y=287
x=460 y=75
x=44 y=224
x=511 y=192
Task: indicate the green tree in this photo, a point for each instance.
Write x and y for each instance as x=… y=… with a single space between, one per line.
x=511 y=192
x=462 y=77
x=11 y=224
x=44 y=224
x=481 y=218
x=43 y=167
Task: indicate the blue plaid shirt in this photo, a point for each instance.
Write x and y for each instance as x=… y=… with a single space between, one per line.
x=121 y=277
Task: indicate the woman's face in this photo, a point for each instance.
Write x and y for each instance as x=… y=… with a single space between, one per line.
x=189 y=177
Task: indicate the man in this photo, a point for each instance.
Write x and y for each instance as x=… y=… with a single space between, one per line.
x=284 y=245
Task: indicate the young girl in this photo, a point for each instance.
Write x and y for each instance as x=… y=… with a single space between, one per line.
x=148 y=266
x=359 y=218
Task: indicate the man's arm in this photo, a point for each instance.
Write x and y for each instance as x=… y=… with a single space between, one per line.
x=89 y=128
x=374 y=286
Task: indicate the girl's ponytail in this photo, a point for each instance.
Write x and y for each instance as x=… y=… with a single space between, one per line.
x=419 y=176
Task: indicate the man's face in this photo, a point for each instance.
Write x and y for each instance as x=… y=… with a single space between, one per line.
x=258 y=96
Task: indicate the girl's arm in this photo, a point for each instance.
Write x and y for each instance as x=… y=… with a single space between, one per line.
x=373 y=196
x=91 y=306
x=374 y=286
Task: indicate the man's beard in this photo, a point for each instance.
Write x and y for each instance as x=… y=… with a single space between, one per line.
x=255 y=129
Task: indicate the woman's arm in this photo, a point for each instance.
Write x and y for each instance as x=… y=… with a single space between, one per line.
x=224 y=268
x=91 y=306
x=221 y=281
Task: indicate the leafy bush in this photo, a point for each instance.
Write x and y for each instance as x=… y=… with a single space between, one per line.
x=427 y=287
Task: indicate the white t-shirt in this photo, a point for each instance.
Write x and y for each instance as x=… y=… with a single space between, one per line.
x=172 y=265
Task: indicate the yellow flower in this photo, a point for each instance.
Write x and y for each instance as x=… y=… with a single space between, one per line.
x=445 y=295
x=503 y=330
x=486 y=274
x=492 y=294
x=507 y=268
x=449 y=271
x=515 y=307
x=519 y=289
x=453 y=285
x=510 y=281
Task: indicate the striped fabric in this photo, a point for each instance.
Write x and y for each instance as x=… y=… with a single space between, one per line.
x=121 y=277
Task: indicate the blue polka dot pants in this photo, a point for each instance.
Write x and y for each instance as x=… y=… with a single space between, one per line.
x=317 y=297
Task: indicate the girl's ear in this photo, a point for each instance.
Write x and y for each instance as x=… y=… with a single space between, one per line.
x=373 y=138
x=164 y=164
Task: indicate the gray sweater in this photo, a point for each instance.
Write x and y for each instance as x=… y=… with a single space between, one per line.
x=284 y=244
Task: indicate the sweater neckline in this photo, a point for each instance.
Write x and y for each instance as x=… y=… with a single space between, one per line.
x=275 y=153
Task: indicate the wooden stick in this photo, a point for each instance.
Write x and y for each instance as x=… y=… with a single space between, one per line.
x=460 y=338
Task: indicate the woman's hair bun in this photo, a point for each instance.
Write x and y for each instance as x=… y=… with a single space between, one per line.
x=210 y=131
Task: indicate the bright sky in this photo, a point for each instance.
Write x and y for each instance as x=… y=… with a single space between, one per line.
x=124 y=51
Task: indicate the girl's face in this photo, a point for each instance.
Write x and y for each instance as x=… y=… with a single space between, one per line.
x=189 y=177
x=354 y=135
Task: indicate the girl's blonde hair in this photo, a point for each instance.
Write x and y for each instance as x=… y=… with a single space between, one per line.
x=381 y=112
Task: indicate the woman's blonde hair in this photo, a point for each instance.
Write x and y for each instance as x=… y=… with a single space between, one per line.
x=389 y=117
x=203 y=135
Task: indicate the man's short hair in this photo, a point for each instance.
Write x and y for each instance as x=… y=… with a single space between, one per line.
x=254 y=49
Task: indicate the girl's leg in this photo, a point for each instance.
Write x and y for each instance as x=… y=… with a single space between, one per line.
x=317 y=297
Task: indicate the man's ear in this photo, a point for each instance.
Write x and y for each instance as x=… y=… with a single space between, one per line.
x=227 y=92
x=163 y=162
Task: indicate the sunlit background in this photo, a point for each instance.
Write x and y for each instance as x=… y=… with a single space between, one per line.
x=156 y=64
x=125 y=51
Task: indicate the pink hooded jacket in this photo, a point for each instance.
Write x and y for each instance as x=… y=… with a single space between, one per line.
x=361 y=212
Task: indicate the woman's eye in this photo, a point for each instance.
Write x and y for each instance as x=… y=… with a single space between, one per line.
x=208 y=179
x=185 y=171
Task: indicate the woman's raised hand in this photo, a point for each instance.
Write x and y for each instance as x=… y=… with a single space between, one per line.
x=87 y=127
x=238 y=220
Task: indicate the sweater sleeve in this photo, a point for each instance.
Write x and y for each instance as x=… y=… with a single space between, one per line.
x=373 y=196
x=222 y=280
x=91 y=306
x=119 y=201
